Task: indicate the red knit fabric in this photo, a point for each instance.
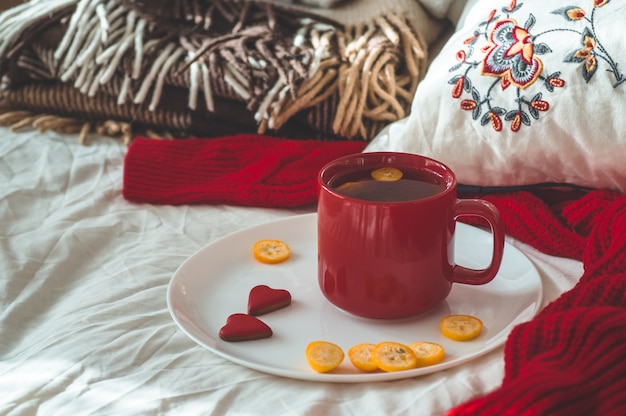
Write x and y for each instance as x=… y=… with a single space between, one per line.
x=248 y=170
x=528 y=218
x=571 y=358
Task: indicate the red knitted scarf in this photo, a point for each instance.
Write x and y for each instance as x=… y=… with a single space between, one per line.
x=248 y=170
x=569 y=360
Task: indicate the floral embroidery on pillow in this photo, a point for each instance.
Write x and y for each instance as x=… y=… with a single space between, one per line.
x=512 y=55
x=592 y=49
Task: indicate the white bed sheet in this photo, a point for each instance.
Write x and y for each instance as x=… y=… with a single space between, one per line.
x=84 y=325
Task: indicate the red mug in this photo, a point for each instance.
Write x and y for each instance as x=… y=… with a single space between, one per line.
x=389 y=253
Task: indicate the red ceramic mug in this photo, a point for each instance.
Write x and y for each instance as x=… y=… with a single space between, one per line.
x=389 y=253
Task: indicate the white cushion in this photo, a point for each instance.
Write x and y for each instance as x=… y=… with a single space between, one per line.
x=525 y=93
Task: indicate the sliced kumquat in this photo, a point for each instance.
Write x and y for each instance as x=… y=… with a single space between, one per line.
x=461 y=327
x=362 y=358
x=394 y=356
x=427 y=353
x=345 y=186
x=271 y=251
x=387 y=174
x=324 y=356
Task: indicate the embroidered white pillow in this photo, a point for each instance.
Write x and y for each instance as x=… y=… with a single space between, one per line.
x=525 y=93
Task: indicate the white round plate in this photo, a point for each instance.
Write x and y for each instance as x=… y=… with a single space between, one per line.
x=215 y=282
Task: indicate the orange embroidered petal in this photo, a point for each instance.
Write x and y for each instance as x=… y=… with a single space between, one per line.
x=361 y=356
x=582 y=53
x=427 y=353
x=461 y=327
x=540 y=105
x=470 y=39
x=505 y=81
x=523 y=46
x=589 y=42
x=516 y=123
x=458 y=87
x=512 y=5
x=468 y=104
x=271 y=251
x=556 y=82
x=575 y=13
x=496 y=121
x=324 y=356
x=590 y=63
x=393 y=356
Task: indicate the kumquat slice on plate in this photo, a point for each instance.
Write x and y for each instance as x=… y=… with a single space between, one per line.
x=361 y=356
x=461 y=327
x=428 y=353
x=324 y=356
x=394 y=356
x=271 y=251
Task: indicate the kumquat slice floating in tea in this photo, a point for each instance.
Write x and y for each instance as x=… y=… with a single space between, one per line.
x=324 y=356
x=461 y=327
x=393 y=356
x=427 y=353
x=271 y=251
x=361 y=356
x=387 y=174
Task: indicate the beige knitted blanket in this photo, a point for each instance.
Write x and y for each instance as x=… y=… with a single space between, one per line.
x=207 y=68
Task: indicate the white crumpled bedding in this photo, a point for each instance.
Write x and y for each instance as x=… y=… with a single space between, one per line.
x=84 y=324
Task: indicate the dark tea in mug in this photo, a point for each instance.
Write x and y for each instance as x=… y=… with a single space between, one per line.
x=388 y=184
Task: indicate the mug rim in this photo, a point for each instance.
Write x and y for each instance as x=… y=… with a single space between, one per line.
x=450 y=181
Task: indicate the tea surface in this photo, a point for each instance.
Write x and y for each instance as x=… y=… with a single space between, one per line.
x=410 y=185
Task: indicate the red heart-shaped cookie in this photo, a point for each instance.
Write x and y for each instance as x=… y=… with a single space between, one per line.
x=242 y=327
x=264 y=299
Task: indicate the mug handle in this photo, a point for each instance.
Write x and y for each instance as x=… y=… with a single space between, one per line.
x=489 y=212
